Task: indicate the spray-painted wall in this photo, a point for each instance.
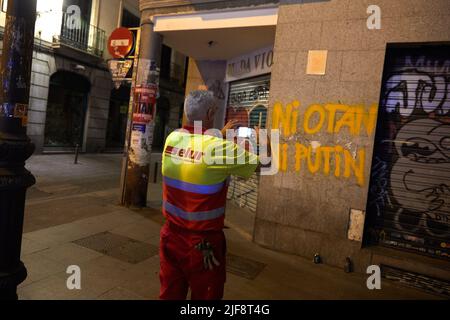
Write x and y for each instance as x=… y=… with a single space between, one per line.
x=328 y=121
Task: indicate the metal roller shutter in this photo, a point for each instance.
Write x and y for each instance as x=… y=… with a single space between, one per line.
x=409 y=194
x=247 y=102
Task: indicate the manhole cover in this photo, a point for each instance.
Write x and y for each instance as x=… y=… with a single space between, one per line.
x=119 y=247
x=244 y=267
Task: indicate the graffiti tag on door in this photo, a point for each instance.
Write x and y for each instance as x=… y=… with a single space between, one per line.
x=410 y=186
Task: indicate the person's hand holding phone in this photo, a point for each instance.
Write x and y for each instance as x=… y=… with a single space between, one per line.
x=232 y=124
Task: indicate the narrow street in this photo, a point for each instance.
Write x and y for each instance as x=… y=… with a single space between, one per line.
x=313 y=134
x=72 y=217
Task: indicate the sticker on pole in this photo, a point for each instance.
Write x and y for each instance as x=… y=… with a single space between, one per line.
x=120 y=43
x=146 y=94
x=119 y=70
x=144 y=111
x=15 y=110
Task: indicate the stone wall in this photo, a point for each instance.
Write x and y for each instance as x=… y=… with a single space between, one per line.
x=43 y=67
x=45 y=64
x=98 y=110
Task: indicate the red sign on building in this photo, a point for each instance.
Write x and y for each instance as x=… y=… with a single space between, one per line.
x=120 y=43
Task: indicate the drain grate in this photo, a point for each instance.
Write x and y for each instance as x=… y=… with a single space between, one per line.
x=119 y=247
x=244 y=267
x=415 y=280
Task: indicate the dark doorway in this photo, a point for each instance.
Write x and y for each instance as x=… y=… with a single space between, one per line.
x=118 y=115
x=66 y=110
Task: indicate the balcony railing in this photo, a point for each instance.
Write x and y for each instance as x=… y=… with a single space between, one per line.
x=84 y=36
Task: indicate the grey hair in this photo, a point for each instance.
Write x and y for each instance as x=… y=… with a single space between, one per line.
x=197 y=104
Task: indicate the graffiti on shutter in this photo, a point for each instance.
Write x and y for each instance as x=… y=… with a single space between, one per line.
x=409 y=195
x=247 y=103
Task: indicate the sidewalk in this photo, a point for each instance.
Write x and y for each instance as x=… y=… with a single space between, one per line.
x=72 y=218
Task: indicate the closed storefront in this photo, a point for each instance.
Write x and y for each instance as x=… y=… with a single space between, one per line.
x=247 y=103
x=409 y=192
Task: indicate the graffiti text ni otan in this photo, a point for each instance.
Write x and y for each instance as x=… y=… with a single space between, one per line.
x=331 y=118
x=343 y=160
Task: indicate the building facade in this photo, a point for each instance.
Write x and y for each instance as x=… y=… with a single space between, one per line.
x=360 y=95
x=73 y=100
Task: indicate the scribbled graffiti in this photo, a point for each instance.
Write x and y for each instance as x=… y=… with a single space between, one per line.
x=409 y=193
x=216 y=86
x=420 y=178
x=379 y=187
x=412 y=90
x=251 y=95
x=244 y=192
x=258 y=116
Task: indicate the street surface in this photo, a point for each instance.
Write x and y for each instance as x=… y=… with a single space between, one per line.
x=72 y=217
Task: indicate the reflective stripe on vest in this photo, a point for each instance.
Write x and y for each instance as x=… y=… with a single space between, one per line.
x=194 y=192
x=193 y=216
x=194 y=188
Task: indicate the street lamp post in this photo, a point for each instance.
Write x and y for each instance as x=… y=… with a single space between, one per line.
x=15 y=146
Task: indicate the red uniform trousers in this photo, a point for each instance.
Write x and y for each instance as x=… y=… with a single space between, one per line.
x=182 y=264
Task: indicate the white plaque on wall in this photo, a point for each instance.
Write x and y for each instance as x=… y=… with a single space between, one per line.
x=356 y=225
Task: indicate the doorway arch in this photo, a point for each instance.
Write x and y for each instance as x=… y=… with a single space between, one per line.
x=66 y=110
